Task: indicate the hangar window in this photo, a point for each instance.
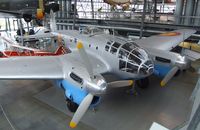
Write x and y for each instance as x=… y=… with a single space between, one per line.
x=76 y=78
x=162 y=59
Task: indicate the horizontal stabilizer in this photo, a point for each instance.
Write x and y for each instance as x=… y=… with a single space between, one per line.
x=192 y=55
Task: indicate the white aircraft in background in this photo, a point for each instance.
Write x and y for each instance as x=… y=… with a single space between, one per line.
x=80 y=73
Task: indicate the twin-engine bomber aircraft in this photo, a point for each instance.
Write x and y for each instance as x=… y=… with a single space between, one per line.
x=79 y=73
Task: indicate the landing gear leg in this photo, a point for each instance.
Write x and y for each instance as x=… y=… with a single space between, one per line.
x=143 y=83
x=94 y=109
x=72 y=106
x=133 y=90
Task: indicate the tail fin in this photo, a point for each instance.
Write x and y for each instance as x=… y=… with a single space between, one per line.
x=53 y=26
x=60 y=51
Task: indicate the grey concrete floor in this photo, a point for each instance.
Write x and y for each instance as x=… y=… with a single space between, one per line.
x=37 y=105
x=27 y=113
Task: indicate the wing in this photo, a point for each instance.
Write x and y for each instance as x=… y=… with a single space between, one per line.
x=9 y=13
x=31 y=68
x=165 y=41
x=98 y=65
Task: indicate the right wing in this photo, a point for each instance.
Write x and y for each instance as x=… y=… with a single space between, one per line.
x=166 y=41
x=31 y=68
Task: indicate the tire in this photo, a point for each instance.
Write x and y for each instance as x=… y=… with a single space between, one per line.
x=177 y=73
x=143 y=83
x=72 y=106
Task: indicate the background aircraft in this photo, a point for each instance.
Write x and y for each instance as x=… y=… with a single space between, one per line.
x=41 y=46
x=29 y=10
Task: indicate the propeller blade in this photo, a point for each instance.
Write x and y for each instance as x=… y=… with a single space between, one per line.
x=121 y=83
x=81 y=110
x=170 y=74
x=85 y=58
x=53 y=26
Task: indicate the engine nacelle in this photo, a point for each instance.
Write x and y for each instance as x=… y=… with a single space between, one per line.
x=76 y=94
x=161 y=70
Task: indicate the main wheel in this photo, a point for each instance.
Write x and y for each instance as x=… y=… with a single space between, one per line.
x=72 y=106
x=177 y=73
x=143 y=83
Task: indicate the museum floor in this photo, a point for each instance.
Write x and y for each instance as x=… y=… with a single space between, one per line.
x=38 y=105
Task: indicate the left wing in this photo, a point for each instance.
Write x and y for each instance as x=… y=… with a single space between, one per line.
x=10 y=13
x=166 y=41
x=31 y=68
x=98 y=65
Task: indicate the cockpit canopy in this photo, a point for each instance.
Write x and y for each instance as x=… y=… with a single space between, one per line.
x=132 y=58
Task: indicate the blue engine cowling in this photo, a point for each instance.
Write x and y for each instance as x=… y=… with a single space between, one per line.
x=75 y=93
x=161 y=70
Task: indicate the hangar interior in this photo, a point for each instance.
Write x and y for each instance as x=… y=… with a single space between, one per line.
x=37 y=104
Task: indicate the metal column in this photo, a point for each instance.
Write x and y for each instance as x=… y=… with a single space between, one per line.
x=57 y=16
x=68 y=8
x=61 y=13
x=179 y=11
x=155 y=10
x=92 y=8
x=197 y=14
x=64 y=11
x=143 y=18
x=189 y=11
x=75 y=11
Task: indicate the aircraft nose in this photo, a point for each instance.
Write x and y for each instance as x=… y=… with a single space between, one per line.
x=147 y=68
x=150 y=70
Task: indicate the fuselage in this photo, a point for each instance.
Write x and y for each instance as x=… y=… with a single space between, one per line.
x=121 y=57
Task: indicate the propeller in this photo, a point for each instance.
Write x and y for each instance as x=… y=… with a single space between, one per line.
x=84 y=56
x=121 y=83
x=53 y=26
x=84 y=105
x=169 y=75
x=88 y=99
x=81 y=110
